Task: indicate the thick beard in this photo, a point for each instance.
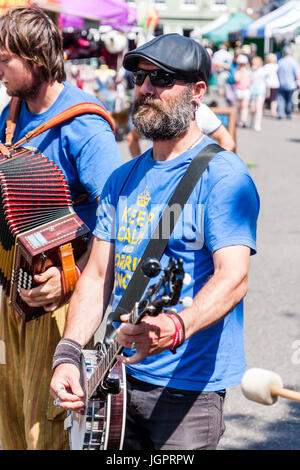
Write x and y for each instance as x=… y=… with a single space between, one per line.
x=30 y=91
x=159 y=121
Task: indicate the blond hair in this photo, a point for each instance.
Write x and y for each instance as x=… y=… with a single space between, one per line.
x=258 y=60
x=271 y=58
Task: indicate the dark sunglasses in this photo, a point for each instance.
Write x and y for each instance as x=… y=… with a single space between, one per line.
x=158 y=78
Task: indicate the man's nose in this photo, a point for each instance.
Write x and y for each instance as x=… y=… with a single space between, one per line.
x=147 y=87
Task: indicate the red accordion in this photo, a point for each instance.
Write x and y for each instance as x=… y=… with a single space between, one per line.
x=37 y=221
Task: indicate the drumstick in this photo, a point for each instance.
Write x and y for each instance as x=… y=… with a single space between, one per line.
x=264 y=386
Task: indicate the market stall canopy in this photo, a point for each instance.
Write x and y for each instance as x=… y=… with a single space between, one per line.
x=115 y=13
x=235 y=22
x=210 y=26
x=282 y=22
x=287 y=33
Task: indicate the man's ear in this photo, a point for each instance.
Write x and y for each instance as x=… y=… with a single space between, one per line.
x=35 y=67
x=199 y=91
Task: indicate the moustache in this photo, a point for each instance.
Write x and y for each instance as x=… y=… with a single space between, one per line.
x=147 y=101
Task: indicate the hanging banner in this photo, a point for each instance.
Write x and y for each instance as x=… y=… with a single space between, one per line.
x=148 y=16
x=6 y=4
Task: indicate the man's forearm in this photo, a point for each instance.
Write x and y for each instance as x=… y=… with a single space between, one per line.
x=88 y=303
x=223 y=291
x=213 y=302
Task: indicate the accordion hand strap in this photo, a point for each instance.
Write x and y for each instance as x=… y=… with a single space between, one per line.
x=69 y=273
x=73 y=111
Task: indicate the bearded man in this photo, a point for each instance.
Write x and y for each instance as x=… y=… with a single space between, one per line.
x=175 y=401
x=32 y=69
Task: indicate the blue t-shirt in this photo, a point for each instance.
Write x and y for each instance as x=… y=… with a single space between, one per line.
x=83 y=147
x=287 y=70
x=221 y=211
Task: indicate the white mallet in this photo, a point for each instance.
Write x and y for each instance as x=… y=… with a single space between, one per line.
x=264 y=386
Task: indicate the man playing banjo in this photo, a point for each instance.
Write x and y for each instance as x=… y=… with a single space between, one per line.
x=175 y=401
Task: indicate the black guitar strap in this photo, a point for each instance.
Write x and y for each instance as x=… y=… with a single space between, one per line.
x=157 y=243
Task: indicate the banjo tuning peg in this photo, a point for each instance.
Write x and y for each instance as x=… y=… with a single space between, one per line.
x=186 y=302
x=151 y=267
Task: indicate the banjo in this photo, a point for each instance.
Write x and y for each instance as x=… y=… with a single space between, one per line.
x=103 y=379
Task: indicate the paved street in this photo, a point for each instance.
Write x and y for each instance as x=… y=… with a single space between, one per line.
x=272 y=320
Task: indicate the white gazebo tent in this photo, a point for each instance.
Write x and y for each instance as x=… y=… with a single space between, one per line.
x=210 y=26
x=281 y=24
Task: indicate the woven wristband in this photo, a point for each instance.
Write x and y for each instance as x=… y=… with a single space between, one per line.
x=67 y=352
x=179 y=335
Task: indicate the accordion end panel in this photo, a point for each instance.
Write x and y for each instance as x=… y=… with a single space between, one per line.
x=37 y=219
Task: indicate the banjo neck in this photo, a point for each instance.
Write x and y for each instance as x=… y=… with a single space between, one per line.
x=103 y=368
x=109 y=358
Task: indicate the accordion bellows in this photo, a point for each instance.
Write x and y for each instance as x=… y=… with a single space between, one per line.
x=36 y=218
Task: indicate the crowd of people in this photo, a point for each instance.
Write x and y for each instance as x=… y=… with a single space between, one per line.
x=253 y=85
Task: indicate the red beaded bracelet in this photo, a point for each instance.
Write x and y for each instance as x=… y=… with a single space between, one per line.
x=179 y=335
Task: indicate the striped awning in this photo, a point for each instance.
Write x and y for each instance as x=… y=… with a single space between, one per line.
x=285 y=18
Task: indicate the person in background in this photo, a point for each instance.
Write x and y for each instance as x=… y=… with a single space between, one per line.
x=221 y=61
x=242 y=90
x=257 y=92
x=105 y=79
x=230 y=94
x=252 y=52
x=246 y=50
x=207 y=121
x=289 y=81
x=272 y=82
x=85 y=149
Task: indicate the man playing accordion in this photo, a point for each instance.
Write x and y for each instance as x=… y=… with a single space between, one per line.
x=32 y=69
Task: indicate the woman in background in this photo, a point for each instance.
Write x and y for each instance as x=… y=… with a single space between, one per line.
x=257 y=92
x=272 y=82
x=242 y=90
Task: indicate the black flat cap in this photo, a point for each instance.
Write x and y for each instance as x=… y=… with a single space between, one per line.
x=173 y=53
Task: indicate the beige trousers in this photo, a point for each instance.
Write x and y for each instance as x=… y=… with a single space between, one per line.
x=28 y=418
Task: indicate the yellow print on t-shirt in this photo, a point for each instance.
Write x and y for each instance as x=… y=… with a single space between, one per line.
x=133 y=228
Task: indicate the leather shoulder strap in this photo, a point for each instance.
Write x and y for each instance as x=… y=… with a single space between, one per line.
x=13 y=113
x=73 y=111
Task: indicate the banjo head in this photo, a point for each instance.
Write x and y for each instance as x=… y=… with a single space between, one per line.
x=102 y=426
